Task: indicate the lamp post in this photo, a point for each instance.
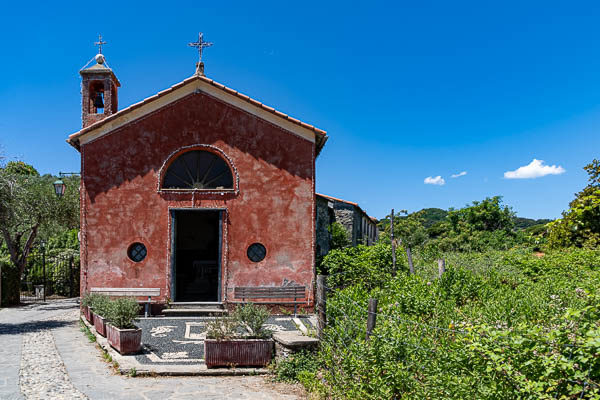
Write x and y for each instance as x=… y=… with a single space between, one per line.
x=43 y=245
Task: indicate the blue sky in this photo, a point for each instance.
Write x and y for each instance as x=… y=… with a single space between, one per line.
x=405 y=90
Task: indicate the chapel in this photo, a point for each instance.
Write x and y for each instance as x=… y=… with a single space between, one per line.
x=198 y=194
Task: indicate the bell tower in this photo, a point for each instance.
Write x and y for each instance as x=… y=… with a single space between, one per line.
x=98 y=90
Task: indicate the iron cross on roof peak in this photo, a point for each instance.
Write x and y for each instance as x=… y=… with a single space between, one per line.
x=99 y=43
x=200 y=44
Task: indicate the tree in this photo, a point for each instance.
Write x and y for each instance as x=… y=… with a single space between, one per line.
x=580 y=225
x=478 y=226
x=28 y=207
x=20 y=168
x=409 y=229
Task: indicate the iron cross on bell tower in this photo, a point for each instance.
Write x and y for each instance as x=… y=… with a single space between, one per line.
x=200 y=44
x=99 y=43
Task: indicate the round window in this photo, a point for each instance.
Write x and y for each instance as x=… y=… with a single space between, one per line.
x=137 y=252
x=256 y=252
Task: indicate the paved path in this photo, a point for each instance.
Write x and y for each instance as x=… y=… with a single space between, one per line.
x=45 y=356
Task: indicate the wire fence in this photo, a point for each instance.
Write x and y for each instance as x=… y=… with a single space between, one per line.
x=355 y=332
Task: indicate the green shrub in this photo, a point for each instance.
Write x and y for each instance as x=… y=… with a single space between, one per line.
x=290 y=368
x=252 y=318
x=496 y=325
x=246 y=321
x=122 y=312
x=222 y=328
x=371 y=265
x=86 y=300
x=100 y=304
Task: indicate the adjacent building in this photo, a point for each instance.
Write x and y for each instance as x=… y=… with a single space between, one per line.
x=361 y=228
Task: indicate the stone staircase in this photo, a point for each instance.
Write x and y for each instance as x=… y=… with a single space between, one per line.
x=195 y=309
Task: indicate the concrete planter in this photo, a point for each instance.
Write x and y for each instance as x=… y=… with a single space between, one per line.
x=87 y=313
x=238 y=352
x=125 y=341
x=100 y=325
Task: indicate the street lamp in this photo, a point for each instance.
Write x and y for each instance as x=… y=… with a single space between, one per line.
x=59 y=187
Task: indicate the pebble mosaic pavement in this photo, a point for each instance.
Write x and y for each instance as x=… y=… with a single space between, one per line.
x=181 y=340
x=45 y=356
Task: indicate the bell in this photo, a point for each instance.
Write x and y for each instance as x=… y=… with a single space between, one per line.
x=98 y=103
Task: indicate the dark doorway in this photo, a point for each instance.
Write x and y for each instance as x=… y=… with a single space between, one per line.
x=196 y=255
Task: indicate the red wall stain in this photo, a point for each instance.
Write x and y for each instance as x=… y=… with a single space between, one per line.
x=122 y=204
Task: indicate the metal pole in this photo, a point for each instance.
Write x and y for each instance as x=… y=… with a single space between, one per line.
x=44 y=270
x=71 y=276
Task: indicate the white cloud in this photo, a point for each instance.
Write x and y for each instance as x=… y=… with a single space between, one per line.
x=438 y=180
x=459 y=174
x=535 y=169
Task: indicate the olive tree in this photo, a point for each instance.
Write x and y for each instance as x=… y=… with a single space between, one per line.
x=29 y=206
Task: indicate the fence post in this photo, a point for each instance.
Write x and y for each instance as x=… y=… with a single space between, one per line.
x=321 y=305
x=441 y=266
x=393 y=244
x=411 y=266
x=372 y=317
x=71 y=276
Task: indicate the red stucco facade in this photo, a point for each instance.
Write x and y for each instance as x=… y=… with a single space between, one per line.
x=273 y=201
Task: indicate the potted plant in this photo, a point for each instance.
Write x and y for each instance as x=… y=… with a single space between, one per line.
x=86 y=301
x=240 y=340
x=99 y=308
x=121 y=332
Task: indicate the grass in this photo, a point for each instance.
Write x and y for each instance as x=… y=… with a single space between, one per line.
x=84 y=328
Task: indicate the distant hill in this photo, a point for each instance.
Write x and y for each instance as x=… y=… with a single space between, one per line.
x=524 y=223
x=431 y=216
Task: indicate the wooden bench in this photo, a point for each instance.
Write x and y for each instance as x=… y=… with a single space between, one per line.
x=133 y=292
x=272 y=292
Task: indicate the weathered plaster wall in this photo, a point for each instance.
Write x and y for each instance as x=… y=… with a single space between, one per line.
x=274 y=204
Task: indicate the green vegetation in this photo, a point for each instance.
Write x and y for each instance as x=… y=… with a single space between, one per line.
x=30 y=212
x=339 y=236
x=246 y=322
x=83 y=327
x=100 y=303
x=515 y=315
x=121 y=312
x=580 y=225
x=295 y=366
x=495 y=324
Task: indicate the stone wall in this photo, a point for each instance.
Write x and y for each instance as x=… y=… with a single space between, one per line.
x=323 y=220
x=356 y=222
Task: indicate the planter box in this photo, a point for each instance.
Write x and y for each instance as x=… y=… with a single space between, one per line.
x=87 y=313
x=100 y=325
x=238 y=352
x=125 y=341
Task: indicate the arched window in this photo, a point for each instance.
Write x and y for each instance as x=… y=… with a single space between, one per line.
x=198 y=169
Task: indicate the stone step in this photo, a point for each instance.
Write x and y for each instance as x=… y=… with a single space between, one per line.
x=196 y=305
x=194 y=312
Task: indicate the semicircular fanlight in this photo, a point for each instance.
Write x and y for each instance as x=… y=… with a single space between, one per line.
x=198 y=169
